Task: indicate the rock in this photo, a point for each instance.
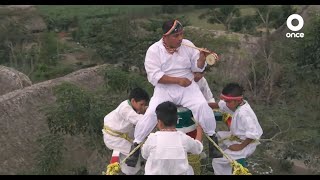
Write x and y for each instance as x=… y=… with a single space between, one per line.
x=11 y=79
x=23 y=121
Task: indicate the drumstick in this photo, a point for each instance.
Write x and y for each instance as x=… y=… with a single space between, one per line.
x=200 y=49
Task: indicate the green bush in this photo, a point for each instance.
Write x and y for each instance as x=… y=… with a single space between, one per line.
x=78 y=112
x=122 y=81
x=71 y=114
x=49 y=158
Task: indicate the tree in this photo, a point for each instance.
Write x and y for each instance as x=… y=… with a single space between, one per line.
x=280 y=14
x=245 y=24
x=306 y=53
x=223 y=15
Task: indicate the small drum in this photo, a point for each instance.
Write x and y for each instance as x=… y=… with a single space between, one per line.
x=211 y=59
x=185 y=122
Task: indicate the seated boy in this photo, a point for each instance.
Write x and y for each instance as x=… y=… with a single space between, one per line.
x=245 y=130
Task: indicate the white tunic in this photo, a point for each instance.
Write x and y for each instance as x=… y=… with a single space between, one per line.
x=244 y=125
x=159 y=62
x=122 y=119
x=166 y=153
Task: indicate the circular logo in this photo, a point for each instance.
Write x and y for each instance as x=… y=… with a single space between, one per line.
x=300 y=22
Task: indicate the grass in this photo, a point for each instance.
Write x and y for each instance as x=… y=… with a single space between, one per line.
x=192 y=16
x=247 y=11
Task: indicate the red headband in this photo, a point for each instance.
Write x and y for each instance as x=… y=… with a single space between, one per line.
x=224 y=97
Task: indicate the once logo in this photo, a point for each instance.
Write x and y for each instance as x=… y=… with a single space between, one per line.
x=295 y=28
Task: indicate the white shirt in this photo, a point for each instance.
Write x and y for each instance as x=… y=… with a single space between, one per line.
x=245 y=123
x=122 y=119
x=159 y=62
x=166 y=152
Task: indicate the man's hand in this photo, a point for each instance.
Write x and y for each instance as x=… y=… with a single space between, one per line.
x=184 y=82
x=199 y=133
x=197 y=76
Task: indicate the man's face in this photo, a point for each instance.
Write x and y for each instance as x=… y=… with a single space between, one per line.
x=174 y=40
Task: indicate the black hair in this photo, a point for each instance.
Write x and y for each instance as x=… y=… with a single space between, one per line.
x=233 y=89
x=167 y=26
x=139 y=94
x=167 y=113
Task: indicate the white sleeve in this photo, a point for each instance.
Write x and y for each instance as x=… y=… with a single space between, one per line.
x=153 y=66
x=193 y=146
x=195 y=55
x=128 y=114
x=147 y=146
x=253 y=131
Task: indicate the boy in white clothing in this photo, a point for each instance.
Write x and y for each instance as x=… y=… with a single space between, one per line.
x=120 y=123
x=245 y=130
x=166 y=150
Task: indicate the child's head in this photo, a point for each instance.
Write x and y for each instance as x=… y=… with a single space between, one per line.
x=167 y=114
x=232 y=94
x=139 y=99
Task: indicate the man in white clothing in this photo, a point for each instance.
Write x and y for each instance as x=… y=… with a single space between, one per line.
x=245 y=130
x=170 y=68
x=166 y=150
x=119 y=126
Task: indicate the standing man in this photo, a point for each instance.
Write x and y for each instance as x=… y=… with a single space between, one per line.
x=170 y=68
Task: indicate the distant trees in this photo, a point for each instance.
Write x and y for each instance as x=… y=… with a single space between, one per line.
x=223 y=15
x=32 y=54
x=265 y=16
x=306 y=53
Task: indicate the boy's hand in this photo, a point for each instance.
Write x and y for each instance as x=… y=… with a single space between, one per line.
x=199 y=132
x=236 y=147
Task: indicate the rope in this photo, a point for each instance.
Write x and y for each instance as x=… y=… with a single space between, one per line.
x=117 y=134
x=195 y=163
x=238 y=169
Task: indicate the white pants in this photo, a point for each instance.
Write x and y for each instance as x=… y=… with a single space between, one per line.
x=189 y=97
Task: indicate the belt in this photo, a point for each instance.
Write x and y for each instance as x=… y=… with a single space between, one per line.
x=111 y=132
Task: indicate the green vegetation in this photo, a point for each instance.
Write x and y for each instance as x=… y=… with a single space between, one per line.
x=121 y=81
x=282 y=77
x=50 y=157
